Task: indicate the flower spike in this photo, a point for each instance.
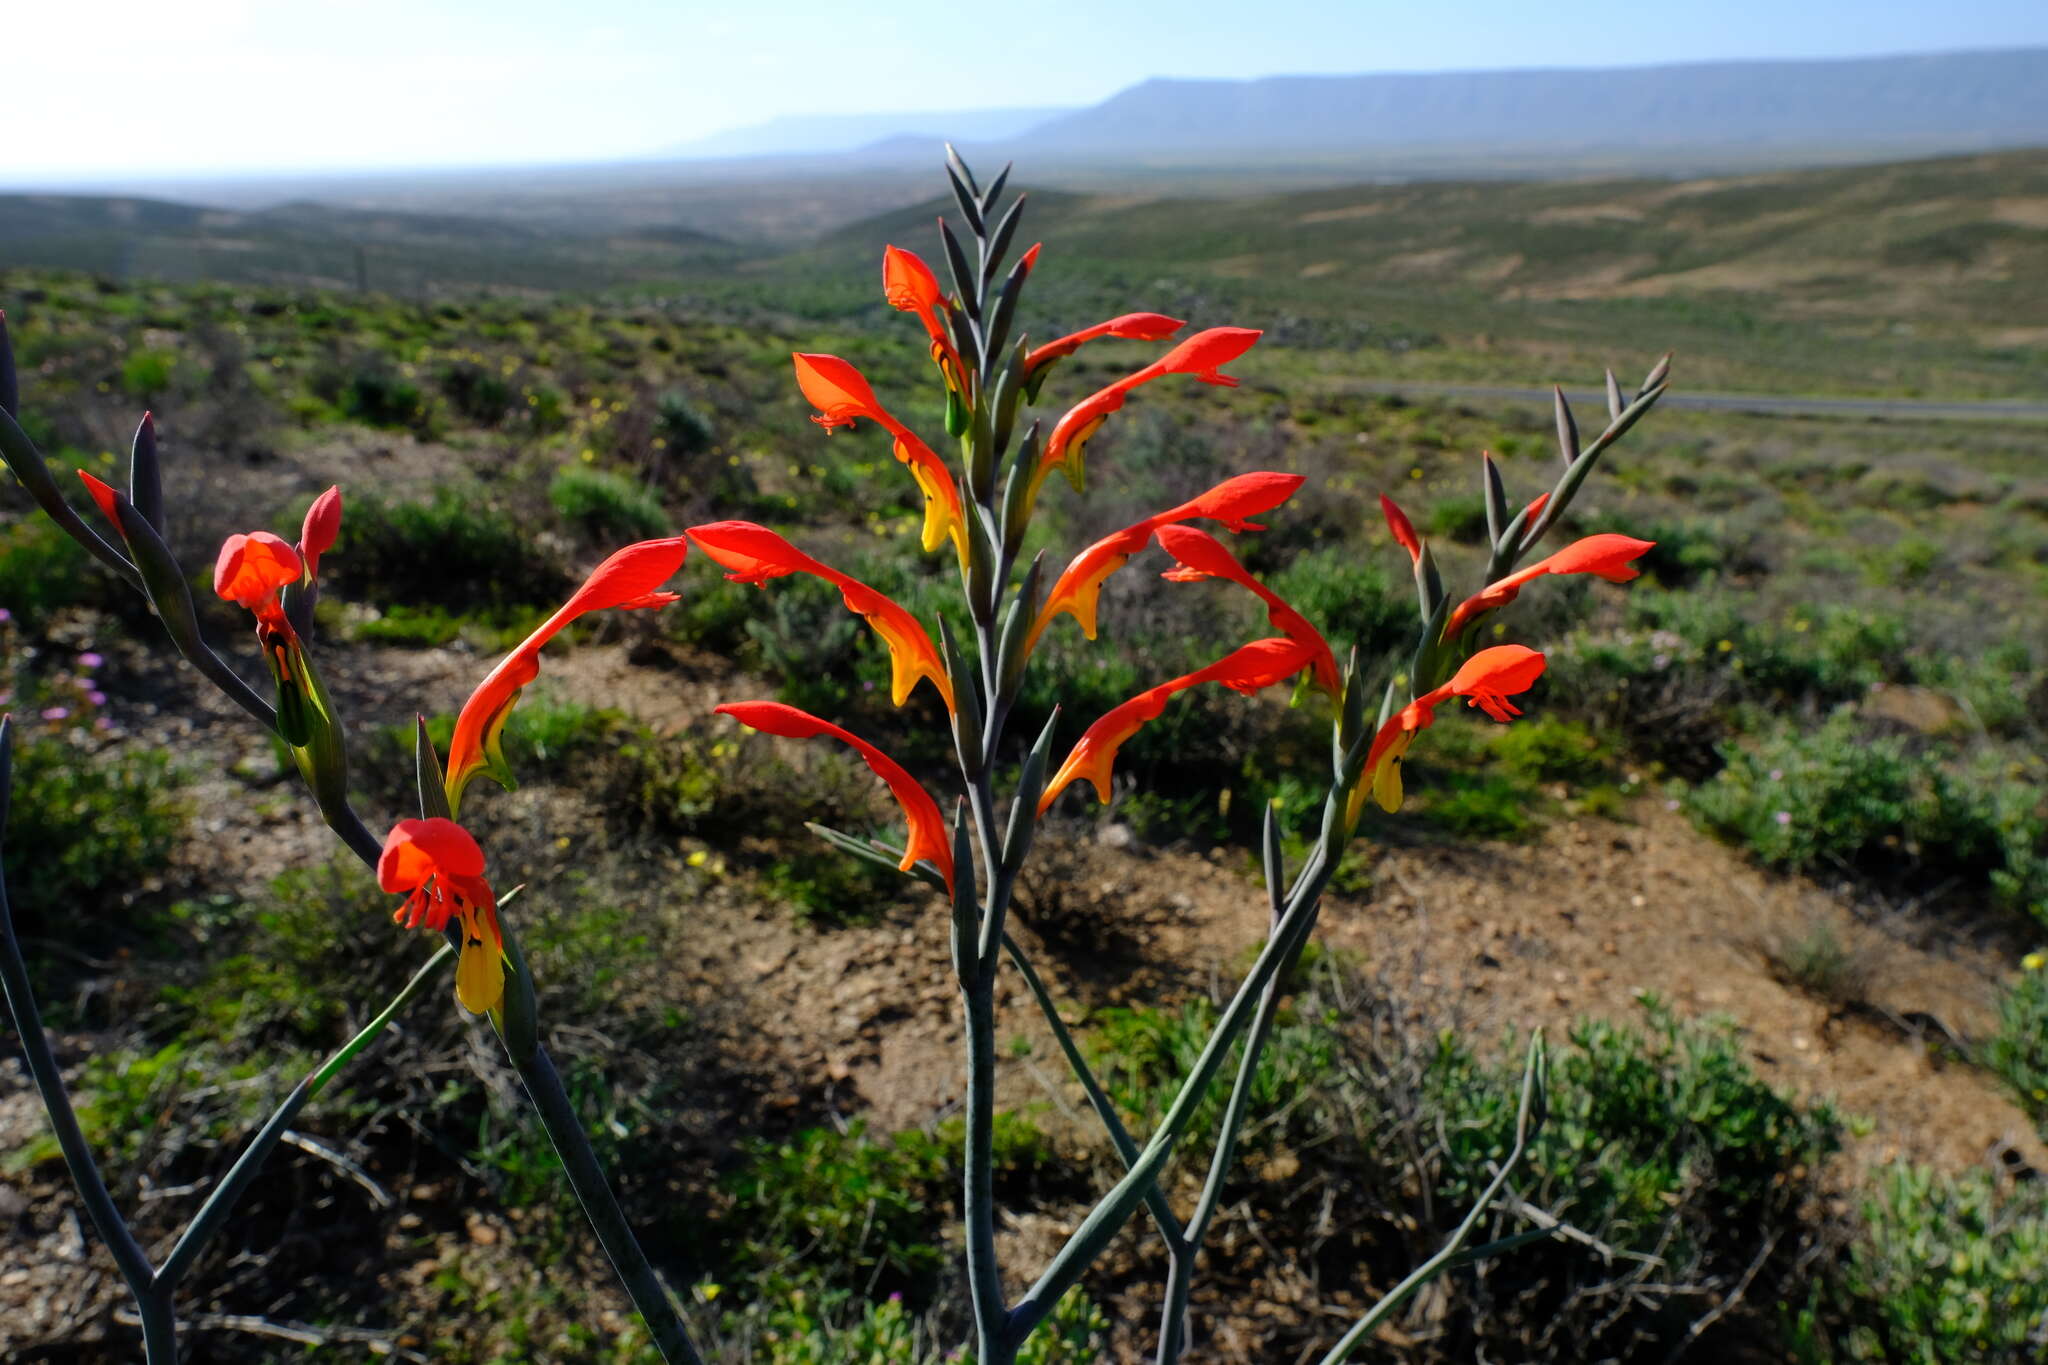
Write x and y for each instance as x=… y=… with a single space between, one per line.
x=928 y=838
x=1200 y=555
x=630 y=579
x=1233 y=502
x=754 y=554
x=440 y=870
x=1607 y=556
x=1246 y=669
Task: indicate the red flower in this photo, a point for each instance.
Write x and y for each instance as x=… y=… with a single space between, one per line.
x=910 y=287
x=928 y=837
x=1200 y=555
x=627 y=580
x=755 y=554
x=1487 y=680
x=1131 y=327
x=1605 y=556
x=1232 y=502
x=253 y=570
x=441 y=871
x=1202 y=355
x=841 y=395
x=1246 y=669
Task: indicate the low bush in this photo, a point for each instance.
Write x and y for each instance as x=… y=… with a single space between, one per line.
x=460 y=550
x=607 y=507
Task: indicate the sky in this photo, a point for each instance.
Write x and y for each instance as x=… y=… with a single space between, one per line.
x=119 y=88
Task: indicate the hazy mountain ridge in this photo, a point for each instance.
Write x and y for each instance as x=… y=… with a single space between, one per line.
x=1969 y=99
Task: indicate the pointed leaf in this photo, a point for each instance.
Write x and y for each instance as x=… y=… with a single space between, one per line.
x=145 y=480
x=427 y=767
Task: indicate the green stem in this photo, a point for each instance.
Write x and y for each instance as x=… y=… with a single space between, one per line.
x=222 y=1201
x=1173 y=1332
x=1098 y=1100
x=1108 y=1217
x=113 y=1229
x=564 y=1128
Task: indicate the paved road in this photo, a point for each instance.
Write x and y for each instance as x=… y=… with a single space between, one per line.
x=1592 y=401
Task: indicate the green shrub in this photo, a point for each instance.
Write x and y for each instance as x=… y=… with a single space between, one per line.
x=478 y=391
x=1460 y=517
x=1349 y=598
x=1548 y=749
x=607 y=506
x=679 y=422
x=2018 y=1052
x=1802 y=800
x=43 y=571
x=1946 y=1269
x=459 y=550
x=146 y=373
x=85 y=830
x=831 y=1209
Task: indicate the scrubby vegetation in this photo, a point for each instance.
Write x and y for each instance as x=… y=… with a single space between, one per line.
x=1833 y=665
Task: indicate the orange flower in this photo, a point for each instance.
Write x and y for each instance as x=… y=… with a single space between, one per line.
x=1131 y=327
x=910 y=287
x=441 y=871
x=1605 y=556
x=841 y=395
x=252 y=570
x=1232 y=502
x=627 y=580
x=1486 y=681
x=928 y=837
x=1202 y=355
x=1246 y=669
x=1200 y=555
x=1401 y=528
x=755 y=554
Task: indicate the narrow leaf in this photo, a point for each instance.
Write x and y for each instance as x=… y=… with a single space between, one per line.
x=999 y=240
x=958 y=168
x=433 y=786
x=970 y=207
x=1023 y=823
x=1567 y=429
x=1614 y=403
x=964 y=278
x=145 y=480
x=1496 y=492
x=995 y=188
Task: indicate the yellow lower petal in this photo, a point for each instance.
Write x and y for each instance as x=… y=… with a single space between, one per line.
x=480 y=976
x=1386 y=783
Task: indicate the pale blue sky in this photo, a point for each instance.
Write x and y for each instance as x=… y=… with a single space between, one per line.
x=120 y=87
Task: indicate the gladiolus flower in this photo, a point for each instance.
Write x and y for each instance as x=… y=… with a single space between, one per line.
x=1605 y=556
x=440 y=869
x=1202 y=355
x=1246 y=669
x=841 y=394
x=1233 y=502
x=252 y=570
x=1200 y=555
x=754 y=554
x=1486 y=681
x=1400 y=527
x=911 y=287
x=928 y=837
x=1130 y=327
x=628 y=580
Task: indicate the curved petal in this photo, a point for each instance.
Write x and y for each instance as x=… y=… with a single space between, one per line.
x=322 y=525
x=252 y=568
x=1232 y=502
x=1245 y=669
x=756 y=554
x=416 y=850
x=628 y=580
x=1130 y=326
x=1605 y=556
x=1402 y=529
x=928 y=838
x=104 y=497
x=1486 y=679
x=1205 y=557
x=1200 y=355
x=909 y=284
x=836 y=390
